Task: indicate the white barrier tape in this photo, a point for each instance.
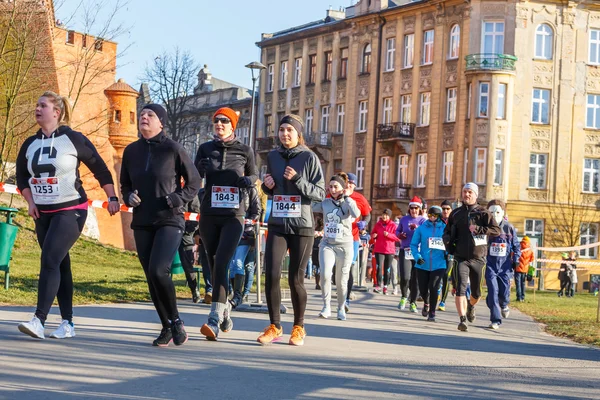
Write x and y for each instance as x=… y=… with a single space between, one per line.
x=582 y=247
x=550 y=261
x=8 y=188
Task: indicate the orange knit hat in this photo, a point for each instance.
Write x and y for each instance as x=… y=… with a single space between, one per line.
x=229 y=113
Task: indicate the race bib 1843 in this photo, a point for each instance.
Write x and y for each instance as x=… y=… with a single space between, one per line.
x=287 y=206
x=498 y=249
x=225 y=197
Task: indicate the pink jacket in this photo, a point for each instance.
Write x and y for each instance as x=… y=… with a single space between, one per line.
x=385 y=244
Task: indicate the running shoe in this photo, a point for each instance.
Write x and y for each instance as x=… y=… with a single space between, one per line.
x=413 y=307
x=431 y=318
x=470 y=312
x=347 y=306
x=210 y=330
x=425 y=310
x=442 y=306
x=341 y=314
x=195 y=296
x=64 y=330
x=165 y=337
x=462 y=326
x=317 y=287
x=298 y=335
x=270 y=334
x=494 y=325
x=395 y=291
x=180 y=336
x=377 y=289
x=505 y=312
x=325 y=312
x=207 y=298
x=33 y=328
x=385 y=291
x=402 y=304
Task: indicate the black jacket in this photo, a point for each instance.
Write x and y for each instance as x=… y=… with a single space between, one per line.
x=154 y=167
x=253 y=213
x=308 y=183
x=457 y=235
x=227 y=162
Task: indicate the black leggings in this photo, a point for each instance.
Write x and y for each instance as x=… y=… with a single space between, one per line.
x=220 y=236
x=300 y=248
x=429 y=283
x=186 y=256
x=469 y=270
x=384 y=263
x=56 y=233
x=156 y=249
x=405 y=267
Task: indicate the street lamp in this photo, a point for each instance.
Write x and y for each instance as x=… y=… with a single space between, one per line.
x=254 y=65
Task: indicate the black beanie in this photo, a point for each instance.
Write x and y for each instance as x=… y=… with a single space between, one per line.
x=446 y=203
x=160 y=112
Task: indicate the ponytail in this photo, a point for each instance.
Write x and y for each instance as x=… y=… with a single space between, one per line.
x=62 y=104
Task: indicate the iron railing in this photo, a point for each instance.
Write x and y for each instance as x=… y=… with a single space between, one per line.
x=491 y=62
x=395 y=191
x=320 y=139
x=396 y=130
x=266 y=143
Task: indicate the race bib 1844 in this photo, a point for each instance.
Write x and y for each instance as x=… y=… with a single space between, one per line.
x=287 y=206
x=225 y=197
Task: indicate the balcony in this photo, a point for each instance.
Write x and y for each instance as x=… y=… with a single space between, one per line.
x=491 y=62
x=266 y=144
x=319 y=139
x=395 y=131
x=391 y=192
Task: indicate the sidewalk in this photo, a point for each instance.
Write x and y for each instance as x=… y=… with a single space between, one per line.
x=378 y=353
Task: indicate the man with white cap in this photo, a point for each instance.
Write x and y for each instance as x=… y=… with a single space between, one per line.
x=466 y=238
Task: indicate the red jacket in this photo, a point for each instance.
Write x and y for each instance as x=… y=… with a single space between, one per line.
x=385 y=244
x=526 y=257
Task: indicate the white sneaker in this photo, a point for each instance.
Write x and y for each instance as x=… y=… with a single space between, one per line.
x=64 y=330
x=395 y=292
x=33 y=328
x=325 y=312
x=494 y=325
x=341 y=314
x=505 y=312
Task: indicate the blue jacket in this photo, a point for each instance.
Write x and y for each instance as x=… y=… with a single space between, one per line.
x=504 y=250
x=434 y=258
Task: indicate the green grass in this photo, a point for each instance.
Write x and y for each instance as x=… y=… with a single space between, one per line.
x=573 y=318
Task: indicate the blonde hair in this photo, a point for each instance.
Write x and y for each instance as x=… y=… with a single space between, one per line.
x=62 y=104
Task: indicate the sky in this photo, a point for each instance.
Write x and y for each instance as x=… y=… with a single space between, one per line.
x=221 y=34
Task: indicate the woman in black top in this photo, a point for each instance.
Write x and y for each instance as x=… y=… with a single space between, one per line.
x=229 y=169
x=151 y=174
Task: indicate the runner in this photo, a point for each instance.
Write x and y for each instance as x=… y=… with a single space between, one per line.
x=186 y=250
x=446 y=210
x=385 y=248
x=406 y=261
x=229 y=168
x=294 y=178
x=503 y=256
x=428 y=249
x=465 y=237
x=151 y=174
x=48 y=178
x=337 y=247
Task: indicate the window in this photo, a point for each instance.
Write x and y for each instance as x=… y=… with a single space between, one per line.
x=344 y=63
x=501 y=110
x=387 y=110
x=366 y=59
x=402 y=174
x=405 y=105
x=131 y=117
x=325 y=119
x=70 y=37
x=425 y=107
x=360 y=172
x=480 y=154
x=409 y=50
x=537 y=170
x=427 y=47
x=540 y=113
x=447 y=164
x=534 y=227
x=588 y=235
x=469 y=101
x=268 y=125
x=384 y=170
x=543 y=42
x=454 y=42
x=421 y=169
x=283 y=75
x=493 y=38
x=484 y=95
x=312 y=72
x=592 y=119
x=84 y=41
x=594 y=52
x=451 y=105
x=362 y=116
x=297 y=72
x=591 y=174
x=98 y=44
x=465 y=166
x=328 y=65
x=341 y=116
x=308 y=120
x=390 y=54
x=117 y=116
x=498 y=160
x=271 y=71
x=242 y=133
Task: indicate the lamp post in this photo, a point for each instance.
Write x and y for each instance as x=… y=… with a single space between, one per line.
x=254 y=65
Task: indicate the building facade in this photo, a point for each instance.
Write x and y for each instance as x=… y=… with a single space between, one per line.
x=419 y=97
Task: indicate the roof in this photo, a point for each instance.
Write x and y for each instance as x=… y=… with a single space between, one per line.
x=121 y=86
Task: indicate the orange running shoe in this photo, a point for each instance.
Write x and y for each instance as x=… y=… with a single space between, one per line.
x=270 y=334
x=298 y=335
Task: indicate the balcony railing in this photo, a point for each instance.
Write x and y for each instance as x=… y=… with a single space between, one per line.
x=265 y=144
x=491 y=62
x=397 y=130
x=395 y=191
x=319 y=139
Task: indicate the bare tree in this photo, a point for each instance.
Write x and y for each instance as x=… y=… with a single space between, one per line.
x=172 y=78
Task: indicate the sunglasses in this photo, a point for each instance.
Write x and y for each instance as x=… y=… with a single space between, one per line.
x=432 y=215
x=446 y=208
x=224 y=121
x=414 y=208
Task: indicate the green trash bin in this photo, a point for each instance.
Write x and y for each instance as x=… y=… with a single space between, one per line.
x=176 y=267
x=8 y=235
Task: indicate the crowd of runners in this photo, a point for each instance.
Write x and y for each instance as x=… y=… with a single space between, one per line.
x=325 y=230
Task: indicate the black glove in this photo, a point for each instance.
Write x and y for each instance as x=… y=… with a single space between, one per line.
x=420 y=261
x=205 y=164
x=243 y=182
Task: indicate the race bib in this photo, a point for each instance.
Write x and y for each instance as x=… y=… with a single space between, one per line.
x=287 y=206
x=436 y=243
x=44 y=189
x=498 y=249
x=397 y=253
x=333 y=230
x=225 y=197
x=408 y=254
x=480 y=240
